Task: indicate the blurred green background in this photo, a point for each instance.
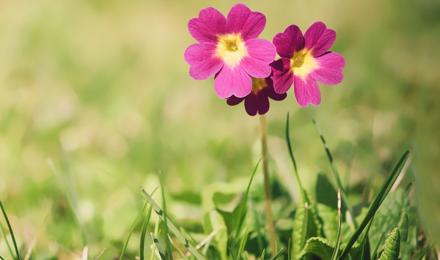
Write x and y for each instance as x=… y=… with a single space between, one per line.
x=95 y=100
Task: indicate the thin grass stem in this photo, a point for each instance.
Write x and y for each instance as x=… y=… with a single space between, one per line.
x=336 y=174
x=10 y=231
x=267 y=186
x=8 y=245
x=338 y=239
x=292 y=157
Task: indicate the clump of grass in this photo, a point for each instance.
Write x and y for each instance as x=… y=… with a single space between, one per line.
x=305 y=229
x=310 y=225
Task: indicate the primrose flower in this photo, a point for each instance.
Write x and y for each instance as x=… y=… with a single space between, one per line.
x=305 y=60
x=258 y=100
x=228 y=49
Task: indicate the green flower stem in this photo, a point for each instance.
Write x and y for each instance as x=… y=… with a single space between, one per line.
x=267 y=186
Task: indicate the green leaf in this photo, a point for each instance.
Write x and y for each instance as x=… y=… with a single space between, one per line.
x=304 y=227
x=404 y=226
x=317 y=246
x=392 y=246
x=330 y=221
x=325 y=193
x=377 y=202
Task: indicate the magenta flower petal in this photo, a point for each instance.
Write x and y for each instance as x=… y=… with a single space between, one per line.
x=319 y=38
x=202 y=61
x=256 y=68
x=261 y=52
x=289 y=41
x=282 y=75
x=330 y=70
x=261 y=49
x=234 y=81
x=208 y=25
x=242 y=20
x=306 y=91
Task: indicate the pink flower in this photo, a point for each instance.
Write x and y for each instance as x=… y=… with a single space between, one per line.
x=305 y=60
x=228 y=49
x=257 y=102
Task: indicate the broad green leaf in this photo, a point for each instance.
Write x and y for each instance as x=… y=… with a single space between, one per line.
x=391 y=248
x=317 y=246
x=325 y=193
x=404 y=226
x=377 y=202
x=330 y=221
x=304 y=227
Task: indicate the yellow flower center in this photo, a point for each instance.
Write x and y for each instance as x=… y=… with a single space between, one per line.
x=302 y=63
x=231 y=49
x=258 y=85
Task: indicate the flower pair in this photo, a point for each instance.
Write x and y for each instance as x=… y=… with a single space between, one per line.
x=243 y=65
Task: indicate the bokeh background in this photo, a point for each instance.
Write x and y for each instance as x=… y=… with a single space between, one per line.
x=95 y=100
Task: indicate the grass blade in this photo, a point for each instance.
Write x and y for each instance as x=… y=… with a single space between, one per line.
x=182 y=239
x=144 y=233
x=243 y=210
x=63 y=175
x=366 y=250
x=159 y=254
x=168 y=245
x=8 y=245
x=130 y=232
x=292 y=158
x=377 y=202
x=338 y=239
x=279 y=254
x=335 y=172
x=17 y=254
